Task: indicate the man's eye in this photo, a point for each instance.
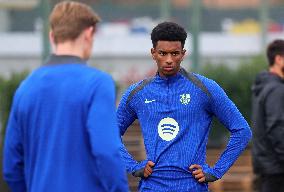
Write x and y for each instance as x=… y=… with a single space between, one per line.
x=162 y=53
x=175 y=54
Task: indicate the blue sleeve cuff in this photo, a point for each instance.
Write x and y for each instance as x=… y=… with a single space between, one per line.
x=210 y=178
x=208 y=170
x=140 y=165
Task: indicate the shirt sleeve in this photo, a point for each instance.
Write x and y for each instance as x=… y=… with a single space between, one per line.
x=13 y=164
x=126 y=115
x=104 y=137
x=228 y=114
x=274 y=109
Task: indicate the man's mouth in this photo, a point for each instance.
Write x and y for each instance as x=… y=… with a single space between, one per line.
x=168 y=68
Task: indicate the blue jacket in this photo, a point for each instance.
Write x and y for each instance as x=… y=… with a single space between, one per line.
x=175 y=115
x=62 y=134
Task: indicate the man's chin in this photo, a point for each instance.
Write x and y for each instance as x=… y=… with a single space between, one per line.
x=170 y=73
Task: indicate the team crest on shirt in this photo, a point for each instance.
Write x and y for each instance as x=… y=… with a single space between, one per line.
x=185 y=98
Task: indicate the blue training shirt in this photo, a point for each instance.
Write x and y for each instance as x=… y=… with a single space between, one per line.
x=175 y=117
x=62 y=135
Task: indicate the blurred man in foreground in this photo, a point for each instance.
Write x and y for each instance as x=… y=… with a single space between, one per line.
x=62 y=135
x=175 y=110
x=268 y=122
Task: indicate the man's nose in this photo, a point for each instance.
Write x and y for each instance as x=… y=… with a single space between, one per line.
x=169 y=59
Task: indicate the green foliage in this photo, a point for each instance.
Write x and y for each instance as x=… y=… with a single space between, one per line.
x=237 y=84
x=7 y=90
x=235 y=81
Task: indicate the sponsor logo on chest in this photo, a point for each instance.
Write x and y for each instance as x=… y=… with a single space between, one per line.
x=168 y=129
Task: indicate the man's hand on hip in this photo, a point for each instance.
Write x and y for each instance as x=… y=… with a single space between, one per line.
x=146 y=171
x=197 y=173
x=200 y=176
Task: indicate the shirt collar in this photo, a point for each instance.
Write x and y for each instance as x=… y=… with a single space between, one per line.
x=168 y=79
x=63 y=59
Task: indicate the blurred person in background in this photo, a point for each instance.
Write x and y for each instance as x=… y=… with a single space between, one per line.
x=175 y=109
x=62 y=133
x=268 y=122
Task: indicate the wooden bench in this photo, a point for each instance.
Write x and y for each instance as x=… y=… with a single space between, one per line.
x=239 y=178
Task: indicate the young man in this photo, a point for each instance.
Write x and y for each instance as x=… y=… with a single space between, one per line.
x=175 y=111
x=268 y=121
x=62 y=133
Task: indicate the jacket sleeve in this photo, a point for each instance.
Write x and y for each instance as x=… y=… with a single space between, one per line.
x=13 y=165
x=126 y=115
x=228 y=114
x=104 y=137
x=274 y=109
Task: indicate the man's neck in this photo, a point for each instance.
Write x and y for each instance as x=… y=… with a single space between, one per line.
x=276 y=71
x=69 y=48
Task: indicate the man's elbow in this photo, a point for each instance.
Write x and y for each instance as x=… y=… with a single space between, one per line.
x=243 y=135
x=17 y=186
x=11 y=171
x=15 y=181
x=246 y=134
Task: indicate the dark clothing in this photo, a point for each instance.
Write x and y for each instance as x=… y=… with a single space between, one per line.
x=268 y=124
x=269 y=183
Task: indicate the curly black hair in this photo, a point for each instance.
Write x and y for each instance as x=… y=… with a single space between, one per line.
x=274 y=48
x=168 y=31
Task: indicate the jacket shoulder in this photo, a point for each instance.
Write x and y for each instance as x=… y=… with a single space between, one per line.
x=135 y=88
x=197 y=80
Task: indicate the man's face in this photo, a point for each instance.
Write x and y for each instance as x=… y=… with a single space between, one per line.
x=279 y=62
x=282 y=65
x=168 y=56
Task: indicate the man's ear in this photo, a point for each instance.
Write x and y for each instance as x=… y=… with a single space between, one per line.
x=51 y=37
x=89 y=32
x=52 y=40
x=183 y=53
x=153 y=51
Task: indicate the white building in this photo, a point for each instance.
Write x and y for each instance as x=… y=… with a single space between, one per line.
x=122 y=54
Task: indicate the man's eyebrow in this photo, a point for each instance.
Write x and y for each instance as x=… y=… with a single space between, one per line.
x=175 y=51
x=161 y=51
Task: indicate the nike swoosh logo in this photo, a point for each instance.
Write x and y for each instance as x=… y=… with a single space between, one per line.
x=149 y=101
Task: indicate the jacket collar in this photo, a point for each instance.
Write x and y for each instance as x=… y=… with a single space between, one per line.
x=63 y=59
x=170 y=79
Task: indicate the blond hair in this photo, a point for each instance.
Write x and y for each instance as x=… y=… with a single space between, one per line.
x=68 y=19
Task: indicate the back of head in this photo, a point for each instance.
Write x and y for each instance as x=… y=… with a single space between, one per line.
x=68 y=19
x=275 y=48
x=168 y=31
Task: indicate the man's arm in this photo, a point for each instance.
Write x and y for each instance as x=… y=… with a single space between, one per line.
x=126 y=115
x=13 y=165
x=104 y=137
x=228 y=114
x=274 y=108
